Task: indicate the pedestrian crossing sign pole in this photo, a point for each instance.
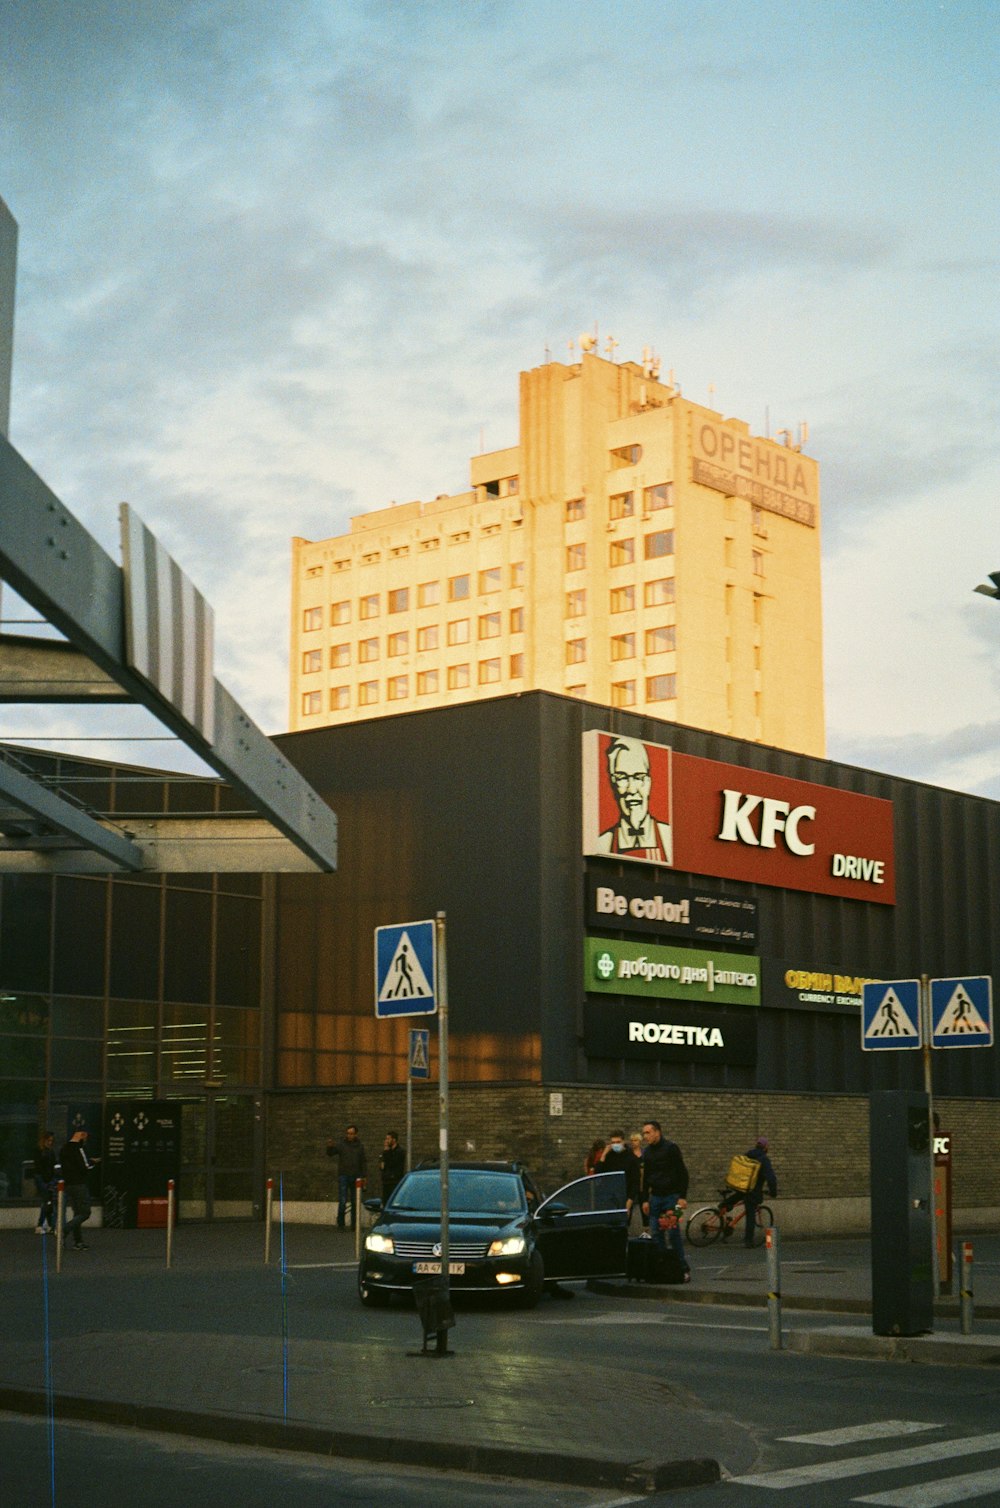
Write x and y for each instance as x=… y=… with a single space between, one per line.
x=405 y=970
x=891 y=1016
x=962 y=1012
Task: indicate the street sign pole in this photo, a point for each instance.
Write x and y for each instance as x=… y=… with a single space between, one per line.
x=925 y=1020
x=409 y=1121
x=442 y=999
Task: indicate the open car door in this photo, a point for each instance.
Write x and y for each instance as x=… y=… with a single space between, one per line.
x=582 y=1230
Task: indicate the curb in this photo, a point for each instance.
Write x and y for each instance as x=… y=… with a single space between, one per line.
x=275 y=1434
x=676 y=1294
x=940 y=1350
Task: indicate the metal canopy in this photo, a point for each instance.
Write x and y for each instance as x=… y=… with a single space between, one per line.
x=111 y=652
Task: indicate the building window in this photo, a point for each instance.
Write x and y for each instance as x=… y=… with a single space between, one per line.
x=576 y=691
x=399 y=599
x=368 y=606
x=312 y=702
x=576 y=602
x=517 y=667
x=517 y=620
x=427 y=682
x=660 y=640
x=661 y=543
x=458 y=631
x=460 y=538
x=398 y=688
x=661 y=688
x=312 y=618
x=367 y=651
x=658 y=593
x=623 y=647
x=576 y=651
x=489 y=625
x=489 y=581
x=757 y=563
x=517 y=573
x=427 y=638
x=576 y=509
x=372 y=558
x=659 y=497
x=340 y=612
x=458 y=588
x=340 y=698
x=622 y=552
x=757 y=521
x=623 y=599
x=489 y=671
x=621 y=505
x=398 y=550
x=315 y=571
x=430 y=544
x=623 y=693
x=312 y=660
x=758 y=609
x=576 y=557
x=626 y=455
x=428 y=594
x=367 y=693
x=340 y=655
x=398 y=644
x=458 y=677
x=513 y=486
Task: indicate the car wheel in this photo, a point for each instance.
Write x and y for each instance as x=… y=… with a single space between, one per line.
x=372 y=1298
x=534 y=1284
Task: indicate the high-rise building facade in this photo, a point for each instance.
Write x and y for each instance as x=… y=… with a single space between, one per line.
x=635 y=549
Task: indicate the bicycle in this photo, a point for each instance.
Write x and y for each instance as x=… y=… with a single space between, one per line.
x=713 y=1221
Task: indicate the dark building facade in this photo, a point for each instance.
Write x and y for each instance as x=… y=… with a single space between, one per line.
x=642 y=920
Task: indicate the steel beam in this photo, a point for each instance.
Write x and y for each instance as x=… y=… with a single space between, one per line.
x=52 y=561
x=49 y=670
x=171 y=845
x=39 y=801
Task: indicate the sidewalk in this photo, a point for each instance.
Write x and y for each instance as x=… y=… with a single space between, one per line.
x=220 y=1346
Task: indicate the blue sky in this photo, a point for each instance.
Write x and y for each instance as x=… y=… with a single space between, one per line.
x=282 y=262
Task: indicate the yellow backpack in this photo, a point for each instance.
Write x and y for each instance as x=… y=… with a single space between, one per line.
x=743 y=1173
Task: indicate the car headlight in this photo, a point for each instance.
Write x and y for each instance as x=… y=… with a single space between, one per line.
x=375 y=1242
x=508 y=1246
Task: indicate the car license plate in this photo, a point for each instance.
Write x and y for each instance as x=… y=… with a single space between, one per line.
x=455 y=1269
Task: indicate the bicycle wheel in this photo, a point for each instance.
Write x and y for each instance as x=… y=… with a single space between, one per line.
x=765 y=1218
x=704 y=1226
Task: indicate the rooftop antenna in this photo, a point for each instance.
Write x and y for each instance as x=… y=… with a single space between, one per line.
x=587 y=343
x=767 y=421
x=610 y=346
x=711 y=395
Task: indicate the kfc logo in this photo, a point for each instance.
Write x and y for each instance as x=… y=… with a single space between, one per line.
x=775 y=818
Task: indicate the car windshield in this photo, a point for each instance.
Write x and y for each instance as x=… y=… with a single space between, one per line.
x=470 y=1192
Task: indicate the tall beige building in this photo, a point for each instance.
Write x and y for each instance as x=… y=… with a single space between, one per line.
x=635 y=549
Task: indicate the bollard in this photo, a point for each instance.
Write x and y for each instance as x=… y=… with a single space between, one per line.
x=60 y=1217
x=170 y=1220
x=359 y=1184
x=965 y=1285
x=268 y=1204
x=773 y=1287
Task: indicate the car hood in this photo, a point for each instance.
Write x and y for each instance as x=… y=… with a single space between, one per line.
x=461 y=1227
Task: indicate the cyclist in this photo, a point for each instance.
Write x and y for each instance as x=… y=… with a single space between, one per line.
x=753 y=1197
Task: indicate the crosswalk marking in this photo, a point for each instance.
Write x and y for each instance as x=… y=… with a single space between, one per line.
x=936 y=1494
x=880 y=1429
x=858 y=1466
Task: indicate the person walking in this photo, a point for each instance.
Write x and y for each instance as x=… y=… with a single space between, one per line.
x=352 y=1165
x=75 y=1166
x=392 y=1164
x=664 y=1183
x=45 y=1183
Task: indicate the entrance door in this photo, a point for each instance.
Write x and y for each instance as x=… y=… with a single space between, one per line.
x=220 y=1155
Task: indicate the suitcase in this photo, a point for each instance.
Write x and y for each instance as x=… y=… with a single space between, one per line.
x=646 y=1263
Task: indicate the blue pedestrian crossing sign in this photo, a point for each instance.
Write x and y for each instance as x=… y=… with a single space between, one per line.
x=420 y=1053
x=890 y=1015
x=405 y=973
x=962 y=1012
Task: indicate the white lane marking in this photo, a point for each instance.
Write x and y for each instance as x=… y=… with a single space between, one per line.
x=933 y=1494
x=880 y=1429
x=859 y=1466
x=309 y=1266
x=653 y=1319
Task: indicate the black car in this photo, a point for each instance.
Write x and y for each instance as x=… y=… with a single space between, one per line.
x=502 y=1237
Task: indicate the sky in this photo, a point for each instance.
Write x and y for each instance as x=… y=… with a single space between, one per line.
x=281 y=261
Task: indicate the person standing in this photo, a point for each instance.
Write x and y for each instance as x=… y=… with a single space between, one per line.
x=353 y=1165
x=45 y=1182
x=619 y=1158
x=592 y=1161
x=664 y=1182
x=392 y=1164
x=76 y=1165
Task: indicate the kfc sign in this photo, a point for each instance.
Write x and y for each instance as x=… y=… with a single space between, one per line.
x=649 y=803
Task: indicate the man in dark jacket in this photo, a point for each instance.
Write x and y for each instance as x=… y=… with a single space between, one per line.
x=664 y=1182
x=753 y=1198
x=392 y=1164
x=619 y=1158
x=353 y=1166
x=75 y=1166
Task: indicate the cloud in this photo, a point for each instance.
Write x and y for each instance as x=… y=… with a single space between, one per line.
x=963 y=758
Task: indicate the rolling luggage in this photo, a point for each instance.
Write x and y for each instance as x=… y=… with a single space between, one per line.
x=646 y=1263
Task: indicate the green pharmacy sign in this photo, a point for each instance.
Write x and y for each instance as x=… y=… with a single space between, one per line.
x=629 y=968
